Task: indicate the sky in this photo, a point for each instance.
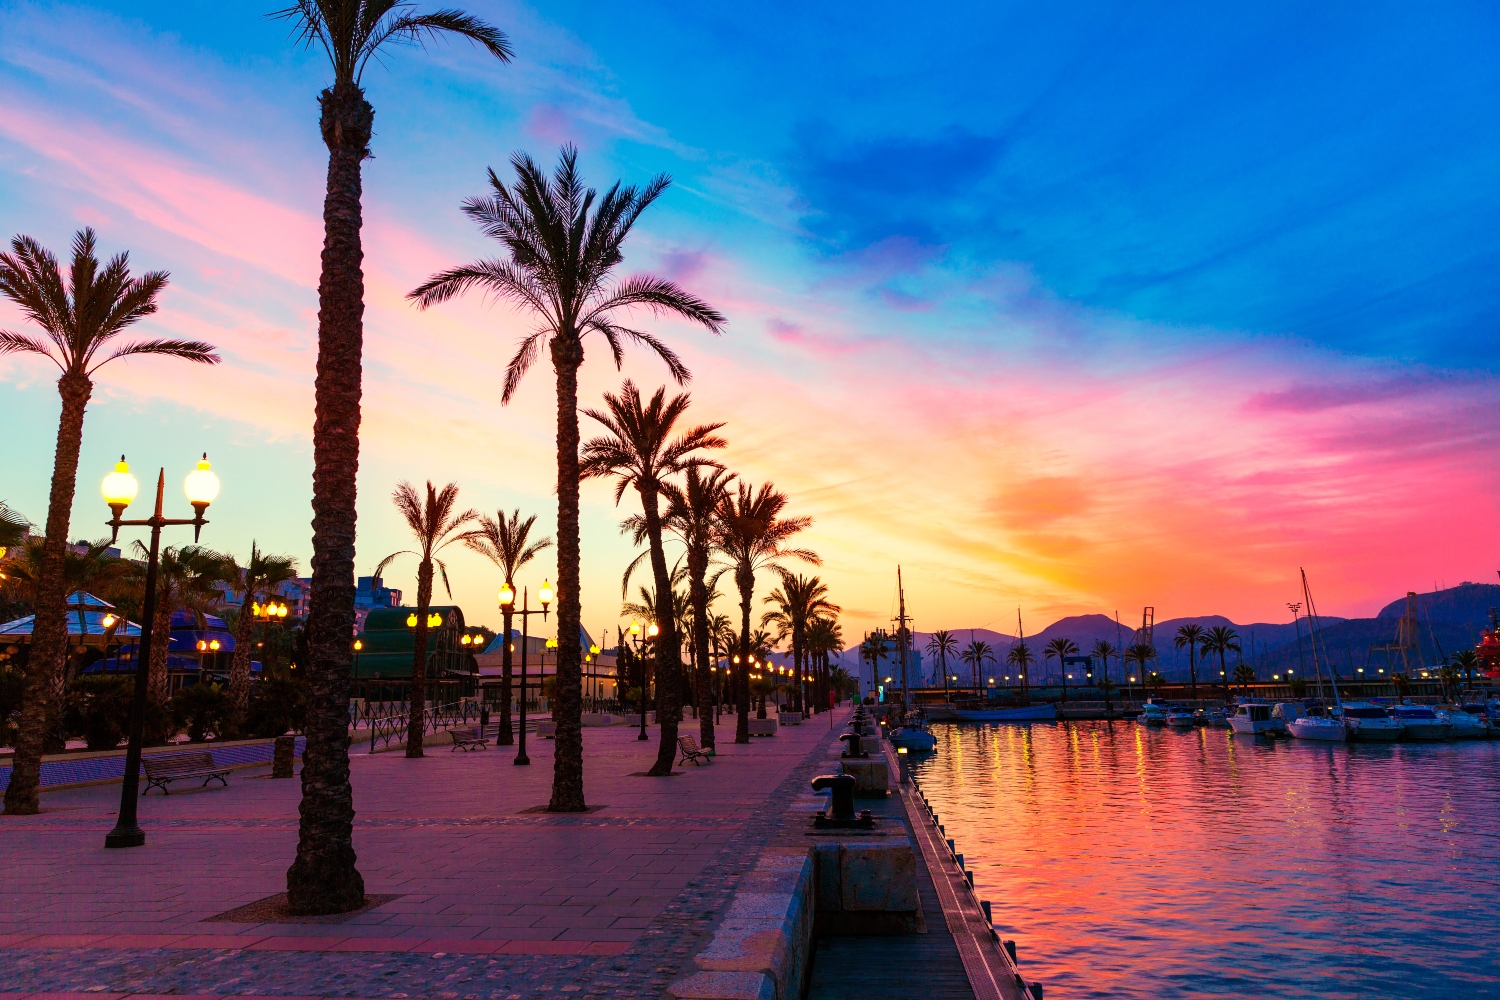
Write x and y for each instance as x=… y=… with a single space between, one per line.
x=1070 y=308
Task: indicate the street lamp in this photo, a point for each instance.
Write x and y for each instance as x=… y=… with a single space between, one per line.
x=507 y=599
x=119 y=489
x=651 y=632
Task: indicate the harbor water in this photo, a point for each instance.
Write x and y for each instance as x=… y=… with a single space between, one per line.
x=1129 y=862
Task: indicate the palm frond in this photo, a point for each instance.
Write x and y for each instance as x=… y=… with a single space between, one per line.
x=19 y=343
x=188 y=350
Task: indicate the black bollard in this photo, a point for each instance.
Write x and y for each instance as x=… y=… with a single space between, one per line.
x=852 y=749
x=840 y=812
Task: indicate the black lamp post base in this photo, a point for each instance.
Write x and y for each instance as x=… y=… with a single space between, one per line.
x=643 y=736
x=522 y=760
x=125 y=837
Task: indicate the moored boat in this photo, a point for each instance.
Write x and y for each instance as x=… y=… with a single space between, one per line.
x=1420 y=723
x=1021 y=713
x=1464 y=726
x=1215 y=718
x=1152 y=714
x=912 y=737
x=1180 y=717
x=1366 y=722
x=1256 y=720
x=1321 y=728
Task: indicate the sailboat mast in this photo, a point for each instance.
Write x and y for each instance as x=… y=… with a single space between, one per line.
x=901 y=638
x=1316 y=629
x=1025 y=671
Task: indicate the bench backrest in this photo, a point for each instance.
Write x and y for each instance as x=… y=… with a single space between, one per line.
x=178 y=763
x=687 y=743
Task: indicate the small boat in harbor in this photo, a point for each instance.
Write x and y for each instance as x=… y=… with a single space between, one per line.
x=1322 y=728
x=1214 y=718
x=1464 y=726
x=1152 y=714
x=1319 y=724
x=1366 y=722
x=913 y=737
x=1180 y=717
x=1256 y=720
x=1420 y=723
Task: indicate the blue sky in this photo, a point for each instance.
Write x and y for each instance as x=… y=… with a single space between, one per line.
x=1020 y=295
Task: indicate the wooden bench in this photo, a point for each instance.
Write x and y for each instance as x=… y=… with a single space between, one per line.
x=469 y=739
x=161 y=771
x=691 y=751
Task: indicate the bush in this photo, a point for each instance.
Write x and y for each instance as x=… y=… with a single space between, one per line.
x=12 y=691
x=98 y=710
x=276 y=705
x=203 y=709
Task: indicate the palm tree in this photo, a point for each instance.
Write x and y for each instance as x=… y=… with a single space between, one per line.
x=323 y=879
x=506 y=542
x=798 y=602
x=943 y=644
x=1061 y=649
x=187 y=579
x=13 y=527
x=1140 y=653
x=1468 y=661
x=974 y=655
x=873 y=649
x=1244 y=676
x=80 y=316
x=435 y=526
x=823 y=637
x=752 y=535
x=262 y=575
x=1222 y=639
x=639 y=451
x=1192 y=636
x=561 y=260
x=691 y=515
x=1104 y=649
x=1020 y=657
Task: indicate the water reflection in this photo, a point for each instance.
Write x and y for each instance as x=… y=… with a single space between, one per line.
x=1134 y=862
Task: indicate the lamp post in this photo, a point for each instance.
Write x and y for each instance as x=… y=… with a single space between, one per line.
x=119 y=489
x=359 y=644
x=507 y=600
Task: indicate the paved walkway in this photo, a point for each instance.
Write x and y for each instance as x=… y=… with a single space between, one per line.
x=493 y=899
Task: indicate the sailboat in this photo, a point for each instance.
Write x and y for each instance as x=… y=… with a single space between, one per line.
x=912 y=734
x=1323 y=728
x=1020 y=713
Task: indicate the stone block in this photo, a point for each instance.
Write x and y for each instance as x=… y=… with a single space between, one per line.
x=634 y=719
x=878 y=877
x=872 y=778
x=723 y=986
x=828 y=896
x=790 y=718
x=762 y=946
x=869 y=744
x=546 y=729
x=601 y=719
x=762 y=727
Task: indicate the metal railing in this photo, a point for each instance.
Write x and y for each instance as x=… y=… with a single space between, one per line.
x=390 y=726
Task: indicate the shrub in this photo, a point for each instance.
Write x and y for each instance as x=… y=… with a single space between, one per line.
x=12 y=690
x=276 y=705
x=98 y=710
x=203 y=709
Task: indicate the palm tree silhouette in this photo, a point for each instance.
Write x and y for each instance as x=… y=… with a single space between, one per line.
x=1140 y=653
x=81 y=317
x=1021 y=657
x=1192 y=636
x=799 y=601
x=1061 y=649
x=1222 y=639
x=975 y=654
x=351 y=33
x=943 y=644
x=1104 y=649
x=260 y=577
x=435 y=526
x=752 y=535
x=187 y=579
x=562 y=250
x=506 y=542
x=1244 y=676
x=823 y=637
x=873 y=649
x=639 y=451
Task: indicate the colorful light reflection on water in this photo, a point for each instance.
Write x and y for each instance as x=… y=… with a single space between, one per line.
x=1134 y=862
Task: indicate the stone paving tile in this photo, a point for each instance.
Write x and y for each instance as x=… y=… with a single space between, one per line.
x=663 y=857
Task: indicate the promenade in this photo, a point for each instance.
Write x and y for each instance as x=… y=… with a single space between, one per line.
x=484 y=894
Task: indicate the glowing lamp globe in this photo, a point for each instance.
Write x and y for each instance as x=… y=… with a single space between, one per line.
x=358 y=645
x=119 y=487
x=214 y=645
x=464 y=641
x=635 y=628
x=593 y=650
x=652 y=630
x=545 y=594
x=411 y=620
x=201 y=485
x=507 y=595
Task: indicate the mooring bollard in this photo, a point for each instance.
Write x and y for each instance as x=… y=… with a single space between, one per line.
x=282 y=756
x=970 y=876
x=1010 y=949
x=984 y=904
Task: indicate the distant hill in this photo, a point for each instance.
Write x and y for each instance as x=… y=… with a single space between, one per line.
x=1464 y=604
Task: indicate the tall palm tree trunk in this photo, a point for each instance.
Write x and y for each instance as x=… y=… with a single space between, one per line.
x=1193 y=670
x=49 y=637
x=746 y=582
x=698 y=594
x=505 y=735
x=158 y=683
x=239 y=666
x=416 y=723
x=667 y=647
x=567 y=761
x=323 y=879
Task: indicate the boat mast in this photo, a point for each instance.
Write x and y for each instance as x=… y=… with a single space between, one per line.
x=1025 y=673
x=1315 y=630
x=901 y=638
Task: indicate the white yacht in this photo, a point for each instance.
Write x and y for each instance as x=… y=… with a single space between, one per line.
x=1464 y=725
x=1256 y=720
x=1366 y=722
x=1421 y=723
x=1180 y=717
x=1152 y=714
x=1322 y=728
x=1214 y=718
